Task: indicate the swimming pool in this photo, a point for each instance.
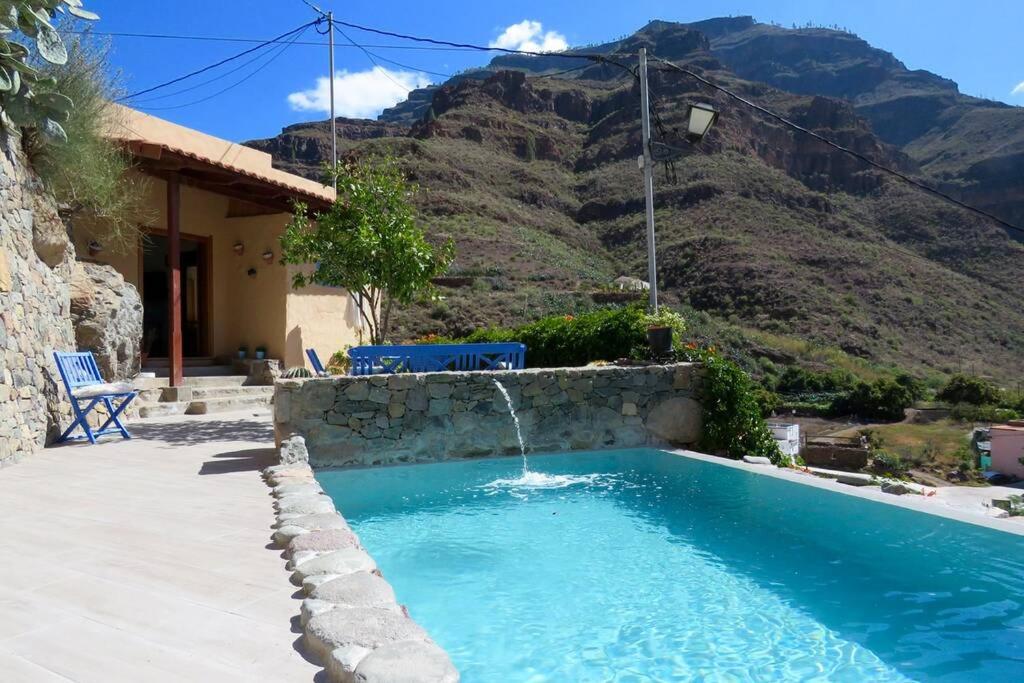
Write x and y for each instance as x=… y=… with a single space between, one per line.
x=643 y=565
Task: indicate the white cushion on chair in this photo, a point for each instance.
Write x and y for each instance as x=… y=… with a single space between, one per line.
x=104 y=389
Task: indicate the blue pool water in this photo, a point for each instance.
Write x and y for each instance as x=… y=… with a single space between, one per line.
x=646 y=566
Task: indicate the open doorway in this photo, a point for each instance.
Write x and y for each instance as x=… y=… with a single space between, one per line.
x=195 y=279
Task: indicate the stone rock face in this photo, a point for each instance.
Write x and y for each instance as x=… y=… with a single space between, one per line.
x=677 y=421
x=34 y=308
x=407 y=662
x=106 y=313
x=377 y=419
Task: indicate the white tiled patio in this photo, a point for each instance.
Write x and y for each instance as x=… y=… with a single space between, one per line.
x=147 y=560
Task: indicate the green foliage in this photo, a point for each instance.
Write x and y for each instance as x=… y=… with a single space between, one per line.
x=733 y=421
x=89 y=174
x=28 y=96
x=883 y=399
x=565 y=340
x=965 y=389
x=796 y=380
x=340 y=362
x=968 y=412
x=297 y=373
x=367 y=242
x=888 y=464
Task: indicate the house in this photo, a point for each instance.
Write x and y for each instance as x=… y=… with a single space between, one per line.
x=207 y=265
x=1007 y=448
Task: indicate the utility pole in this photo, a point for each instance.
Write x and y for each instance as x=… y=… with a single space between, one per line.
x=648 y=167
x=334 y=122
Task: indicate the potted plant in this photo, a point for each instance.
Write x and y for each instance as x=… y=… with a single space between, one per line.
x=261 y=352
x=243 y=351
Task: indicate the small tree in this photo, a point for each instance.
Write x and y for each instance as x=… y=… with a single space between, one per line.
x=964 y=389
x=367 y=242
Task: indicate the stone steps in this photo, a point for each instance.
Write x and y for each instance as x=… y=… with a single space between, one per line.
x=205 y=393
x=144 y=383
x=227 y=403
x=202 y=395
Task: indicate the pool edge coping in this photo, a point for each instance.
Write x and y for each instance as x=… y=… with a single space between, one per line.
x=913 y=502
x=347 y=628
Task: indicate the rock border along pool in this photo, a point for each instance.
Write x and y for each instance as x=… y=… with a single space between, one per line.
x=390 y=419
x=350 y=617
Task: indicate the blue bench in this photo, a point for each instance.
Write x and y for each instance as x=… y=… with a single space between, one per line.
x=85 y=385
x=373 y=360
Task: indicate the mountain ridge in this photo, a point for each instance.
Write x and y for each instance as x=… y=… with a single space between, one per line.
x=766 y=229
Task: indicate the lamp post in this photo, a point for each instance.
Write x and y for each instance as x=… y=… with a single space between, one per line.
x=699 y=119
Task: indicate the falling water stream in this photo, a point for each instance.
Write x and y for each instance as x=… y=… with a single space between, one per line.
x=515 y=421
x=528 y=479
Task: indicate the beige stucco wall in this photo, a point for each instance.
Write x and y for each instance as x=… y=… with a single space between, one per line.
x=322 y=318
x=250 y=310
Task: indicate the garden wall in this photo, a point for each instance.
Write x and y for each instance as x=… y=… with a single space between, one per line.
x=383 y=419
x=36 y=261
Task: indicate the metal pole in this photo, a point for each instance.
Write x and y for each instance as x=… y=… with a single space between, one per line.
x=334 y=122
x=648 y=166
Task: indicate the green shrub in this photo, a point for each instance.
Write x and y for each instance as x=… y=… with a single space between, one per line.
x=565 y=340
x=967 y=412
x=733 y=420
x=883 y=399
x=795 y=380
x=889 y=464
x=965 y=389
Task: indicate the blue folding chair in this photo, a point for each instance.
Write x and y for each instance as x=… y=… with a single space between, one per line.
x=314 y=360
x=85 y=385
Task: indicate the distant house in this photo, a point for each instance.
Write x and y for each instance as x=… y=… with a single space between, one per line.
x=787 y=436
x=1008 y=448
x=208 y=263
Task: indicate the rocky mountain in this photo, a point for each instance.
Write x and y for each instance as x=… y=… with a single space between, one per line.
x=781 y=239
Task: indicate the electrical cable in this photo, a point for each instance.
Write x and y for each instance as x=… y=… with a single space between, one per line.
x=217 y=64
x=273 y=57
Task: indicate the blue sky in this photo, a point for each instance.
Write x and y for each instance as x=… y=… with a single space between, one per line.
x=976 y=44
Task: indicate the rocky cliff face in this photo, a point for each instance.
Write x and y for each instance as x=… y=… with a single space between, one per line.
x=36 y=261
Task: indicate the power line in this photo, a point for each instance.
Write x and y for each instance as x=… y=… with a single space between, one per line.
x=871 y=162
x=273 y=57
x=220 y=63
x=234 y=39
x=374 y=57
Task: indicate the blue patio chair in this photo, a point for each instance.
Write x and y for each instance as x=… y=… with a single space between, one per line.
x=314 y=360
x=85 y=385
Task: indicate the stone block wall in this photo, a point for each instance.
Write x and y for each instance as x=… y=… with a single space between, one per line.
x=384 y=419
x=36 y=261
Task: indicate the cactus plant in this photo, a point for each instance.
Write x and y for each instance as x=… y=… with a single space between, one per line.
x=26 y=97
x=297 y=373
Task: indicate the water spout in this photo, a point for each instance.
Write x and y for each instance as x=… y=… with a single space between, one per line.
x=515 y=421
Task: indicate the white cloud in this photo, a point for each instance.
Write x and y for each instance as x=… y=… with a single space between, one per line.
x=1019 y=90
x=530 y=36
x=358 y=94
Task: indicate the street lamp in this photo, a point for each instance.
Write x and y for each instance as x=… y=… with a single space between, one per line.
x=699 y=119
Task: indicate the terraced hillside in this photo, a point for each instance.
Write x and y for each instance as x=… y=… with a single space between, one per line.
x=771 y=233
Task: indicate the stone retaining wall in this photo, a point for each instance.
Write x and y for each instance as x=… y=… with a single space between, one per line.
x=384 y=419
x=36 y=261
